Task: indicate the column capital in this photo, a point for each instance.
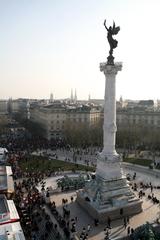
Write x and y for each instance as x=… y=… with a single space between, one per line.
x=110 y=69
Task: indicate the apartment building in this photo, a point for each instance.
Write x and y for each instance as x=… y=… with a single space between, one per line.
x=58 y=115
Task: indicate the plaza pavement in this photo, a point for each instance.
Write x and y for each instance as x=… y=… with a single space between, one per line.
x=70 y=156
x=150 y=211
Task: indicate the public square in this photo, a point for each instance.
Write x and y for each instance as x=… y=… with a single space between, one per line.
x=150 y=213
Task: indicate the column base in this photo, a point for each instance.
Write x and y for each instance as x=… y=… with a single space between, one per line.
x=113 y=213
x=114 y=199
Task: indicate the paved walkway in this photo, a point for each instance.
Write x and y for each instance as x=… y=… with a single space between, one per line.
x=150 y=211
x=82 y=157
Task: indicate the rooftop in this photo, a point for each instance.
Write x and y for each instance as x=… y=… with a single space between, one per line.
x=8 y=211
x=3 y=204
x=5 y=170
x=12 y=231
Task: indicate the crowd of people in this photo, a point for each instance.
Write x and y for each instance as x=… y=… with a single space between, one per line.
x=68 y=223
x=30 y=203
x=141 y=188
x=87 y=156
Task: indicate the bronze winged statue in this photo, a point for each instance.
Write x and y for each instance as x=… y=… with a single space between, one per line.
x=112 y=42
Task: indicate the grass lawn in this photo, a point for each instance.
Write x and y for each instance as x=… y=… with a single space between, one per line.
x=142 y=162
x=37 y=163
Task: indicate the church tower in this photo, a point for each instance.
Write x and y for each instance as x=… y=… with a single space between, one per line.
x=75 y=96
x=51 y=98
x=71 y=95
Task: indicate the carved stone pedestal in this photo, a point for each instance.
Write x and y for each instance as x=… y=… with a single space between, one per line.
x=112 y=198
x=115 y=209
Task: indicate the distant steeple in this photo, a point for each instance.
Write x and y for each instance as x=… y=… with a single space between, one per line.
x=75 y=96
x=51 y=98
x=71 y=94
x=89 y=97
x=121 y=99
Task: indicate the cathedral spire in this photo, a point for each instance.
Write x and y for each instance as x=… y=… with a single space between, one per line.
x=51 y=98
x=71 y=94
x=75 y=96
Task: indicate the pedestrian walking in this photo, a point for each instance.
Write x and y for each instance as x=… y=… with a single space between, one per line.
x=88 y=228
x=109 y=222
x=125 y=222
x=84 y=230
x=96 y=222
x=121 y=211
x=128 y=230
x=72 y=199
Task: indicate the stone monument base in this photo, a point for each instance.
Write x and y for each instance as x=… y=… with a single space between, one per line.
x=114 y=199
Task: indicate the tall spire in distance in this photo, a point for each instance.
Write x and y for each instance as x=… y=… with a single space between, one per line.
x=121 y=101
x=51 y=98
x=75 y=96
x=71 y=95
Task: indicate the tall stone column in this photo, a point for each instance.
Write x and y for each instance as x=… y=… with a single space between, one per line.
x=109 y=193
x=109 y=127
x=108 y=164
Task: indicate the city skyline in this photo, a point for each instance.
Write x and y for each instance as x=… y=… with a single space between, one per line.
x=54 y=46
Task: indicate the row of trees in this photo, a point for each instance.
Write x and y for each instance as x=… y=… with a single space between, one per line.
x=127 y=137
x=83 y=135
x=138 y=137
x=3 y=124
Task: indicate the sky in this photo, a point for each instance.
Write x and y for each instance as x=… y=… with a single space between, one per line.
x=57 y=45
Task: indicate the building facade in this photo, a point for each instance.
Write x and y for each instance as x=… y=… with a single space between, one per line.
x=3 y=107
x=141 y=118
x=54 y=118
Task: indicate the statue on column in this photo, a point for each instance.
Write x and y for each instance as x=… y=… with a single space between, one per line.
x=112 y=42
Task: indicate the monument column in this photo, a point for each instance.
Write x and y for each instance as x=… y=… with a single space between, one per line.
x=109 y=193
x=109 y=127
x=108 y=164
